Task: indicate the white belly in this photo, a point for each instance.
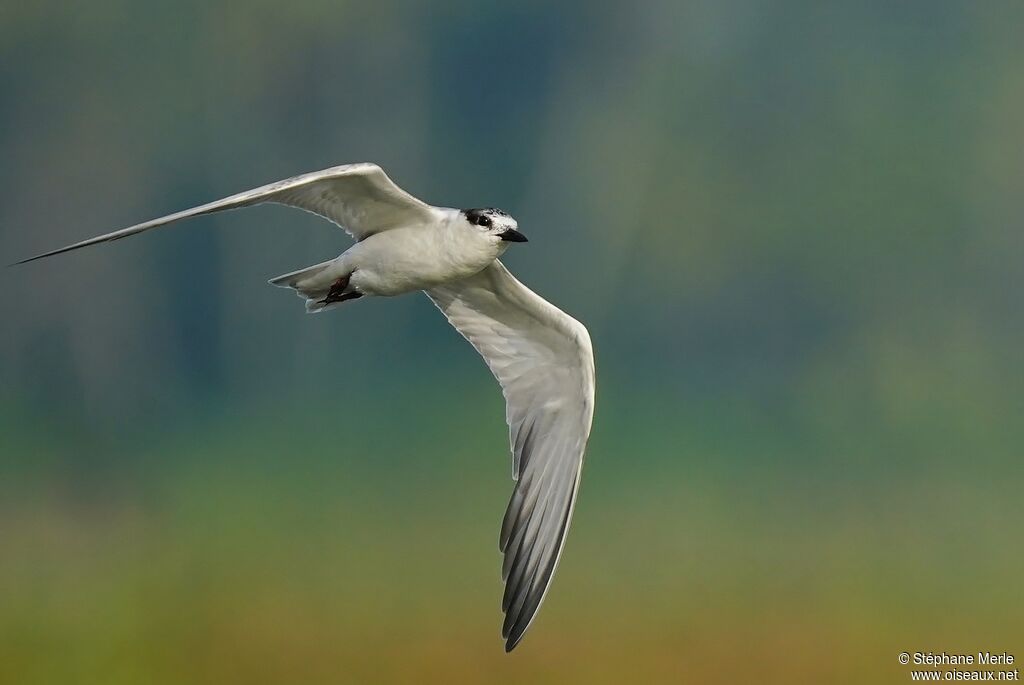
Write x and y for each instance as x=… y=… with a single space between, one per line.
x=403 y=260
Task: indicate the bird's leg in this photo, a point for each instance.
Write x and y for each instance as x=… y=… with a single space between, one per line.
x=337 y=292
x=337 y=288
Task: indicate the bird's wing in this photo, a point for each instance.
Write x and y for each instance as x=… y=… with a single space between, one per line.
x=543 y=360
x=358 y=197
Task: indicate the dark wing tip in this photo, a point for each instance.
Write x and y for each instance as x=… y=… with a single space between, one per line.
x=32 y=259
x=67 y=248
x=515 y=635
x=525 y=593
x=519 y=618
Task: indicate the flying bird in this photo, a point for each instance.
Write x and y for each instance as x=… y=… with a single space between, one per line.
x=541 y=356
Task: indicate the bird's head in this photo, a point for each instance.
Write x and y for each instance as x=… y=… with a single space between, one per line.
x=494 y=224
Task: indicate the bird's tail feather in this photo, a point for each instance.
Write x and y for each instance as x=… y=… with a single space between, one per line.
x=296 y=279
x=311 y=283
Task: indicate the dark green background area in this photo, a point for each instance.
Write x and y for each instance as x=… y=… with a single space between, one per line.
x=794 y=231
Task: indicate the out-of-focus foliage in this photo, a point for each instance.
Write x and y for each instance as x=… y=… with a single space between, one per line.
x=793 y=229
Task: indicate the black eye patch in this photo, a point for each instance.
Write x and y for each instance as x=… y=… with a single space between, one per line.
x=481 y=217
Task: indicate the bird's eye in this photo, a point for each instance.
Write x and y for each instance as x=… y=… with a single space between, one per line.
x=484 y=221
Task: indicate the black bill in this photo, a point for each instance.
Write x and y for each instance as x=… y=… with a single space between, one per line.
x=511 y=235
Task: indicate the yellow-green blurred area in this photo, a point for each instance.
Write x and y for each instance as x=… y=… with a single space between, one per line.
x=793 y=229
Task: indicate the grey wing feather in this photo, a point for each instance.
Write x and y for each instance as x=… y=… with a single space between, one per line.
x=544 y=362
x=358 y=197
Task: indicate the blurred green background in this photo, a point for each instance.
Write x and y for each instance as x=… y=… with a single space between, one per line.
x=793 y=229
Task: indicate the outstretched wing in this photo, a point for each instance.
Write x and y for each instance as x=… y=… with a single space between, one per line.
x=358 y=197
x=543 y=360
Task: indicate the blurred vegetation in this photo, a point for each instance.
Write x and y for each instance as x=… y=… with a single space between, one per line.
x=793 y=229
